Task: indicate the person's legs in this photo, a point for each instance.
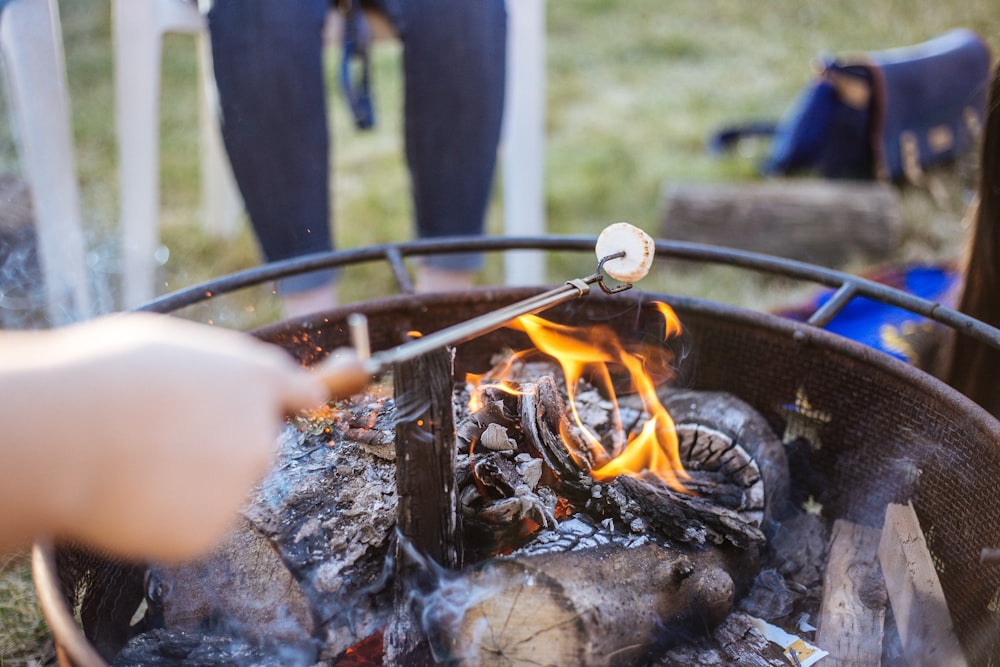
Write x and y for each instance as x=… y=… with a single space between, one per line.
x=454 y=65
x=268 y=59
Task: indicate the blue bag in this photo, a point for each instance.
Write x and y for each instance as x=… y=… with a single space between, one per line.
x=885 y=115
x=895 y=331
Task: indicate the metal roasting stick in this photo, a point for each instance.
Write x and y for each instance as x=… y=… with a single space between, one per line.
x=347 y=373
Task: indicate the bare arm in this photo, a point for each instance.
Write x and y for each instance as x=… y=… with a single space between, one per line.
x=139 y=434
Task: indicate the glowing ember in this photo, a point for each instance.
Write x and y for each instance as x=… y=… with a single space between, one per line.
x=595 y=352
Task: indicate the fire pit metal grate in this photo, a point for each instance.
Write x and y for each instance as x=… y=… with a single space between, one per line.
x=880 y=430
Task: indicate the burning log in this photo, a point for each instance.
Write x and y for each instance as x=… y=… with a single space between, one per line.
x=606 y=605
x=730 y=477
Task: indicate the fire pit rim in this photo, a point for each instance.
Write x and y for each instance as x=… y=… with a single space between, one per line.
x=847 y=286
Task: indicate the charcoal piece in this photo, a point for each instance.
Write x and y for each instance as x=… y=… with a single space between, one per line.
x=769 y=597
x=497 y=474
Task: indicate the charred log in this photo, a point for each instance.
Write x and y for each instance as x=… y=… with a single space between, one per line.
x=427 y=512
x=425 y=457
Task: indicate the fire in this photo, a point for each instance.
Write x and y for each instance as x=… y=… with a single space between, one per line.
x=597 y=353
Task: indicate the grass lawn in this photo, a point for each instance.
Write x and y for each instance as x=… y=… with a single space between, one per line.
x=633 y=90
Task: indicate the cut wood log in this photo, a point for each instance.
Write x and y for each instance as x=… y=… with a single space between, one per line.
x=918 y=603
x=607 y=605
x=852 y=613
x=823 y=222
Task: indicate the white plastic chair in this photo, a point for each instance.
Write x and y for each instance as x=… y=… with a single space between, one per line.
x=139 y=26
x=35 y=68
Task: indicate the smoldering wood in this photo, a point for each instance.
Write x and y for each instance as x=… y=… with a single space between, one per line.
x=852 y=614
x=330 y=507
x=162 y=647
x=427 y=511
x=307 y=564
x=919 y=607
x=607 y=605
x=818 y=221
x=680 y=516
x=339 y=485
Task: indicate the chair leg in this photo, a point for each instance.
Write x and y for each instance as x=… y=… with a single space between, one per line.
x=30 y=35
x=524 y=138
x=137 y=47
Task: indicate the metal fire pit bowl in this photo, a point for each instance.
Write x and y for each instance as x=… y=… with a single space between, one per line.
x=893 y=435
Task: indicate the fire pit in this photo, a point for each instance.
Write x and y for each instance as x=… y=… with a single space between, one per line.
x=876 y=432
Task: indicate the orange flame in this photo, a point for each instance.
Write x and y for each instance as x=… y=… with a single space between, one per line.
x=494 y=379
x=591 y=350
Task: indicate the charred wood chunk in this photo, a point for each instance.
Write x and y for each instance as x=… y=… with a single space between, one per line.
x=679 y=516
x=747 y=428
x=543 y=416
x=168 y=648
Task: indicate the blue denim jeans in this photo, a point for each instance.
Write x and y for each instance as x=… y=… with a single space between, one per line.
x=269 y=71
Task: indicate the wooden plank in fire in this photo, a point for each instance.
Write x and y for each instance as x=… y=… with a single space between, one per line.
x=427 y=511
x=918 y=603
x=852 y=612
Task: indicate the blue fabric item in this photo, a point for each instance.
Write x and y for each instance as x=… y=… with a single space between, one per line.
x=881 y=326
x=926 y=91
x=929 y=95
x=801 y=133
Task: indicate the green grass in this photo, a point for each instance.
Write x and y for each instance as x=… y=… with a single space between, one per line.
x=633 y=89
x=23 y=634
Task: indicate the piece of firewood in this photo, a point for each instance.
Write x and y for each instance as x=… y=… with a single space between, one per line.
x=427 y=513
x=852 y=613
x=925 y=627
x=606 y=606
x=816 y=221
